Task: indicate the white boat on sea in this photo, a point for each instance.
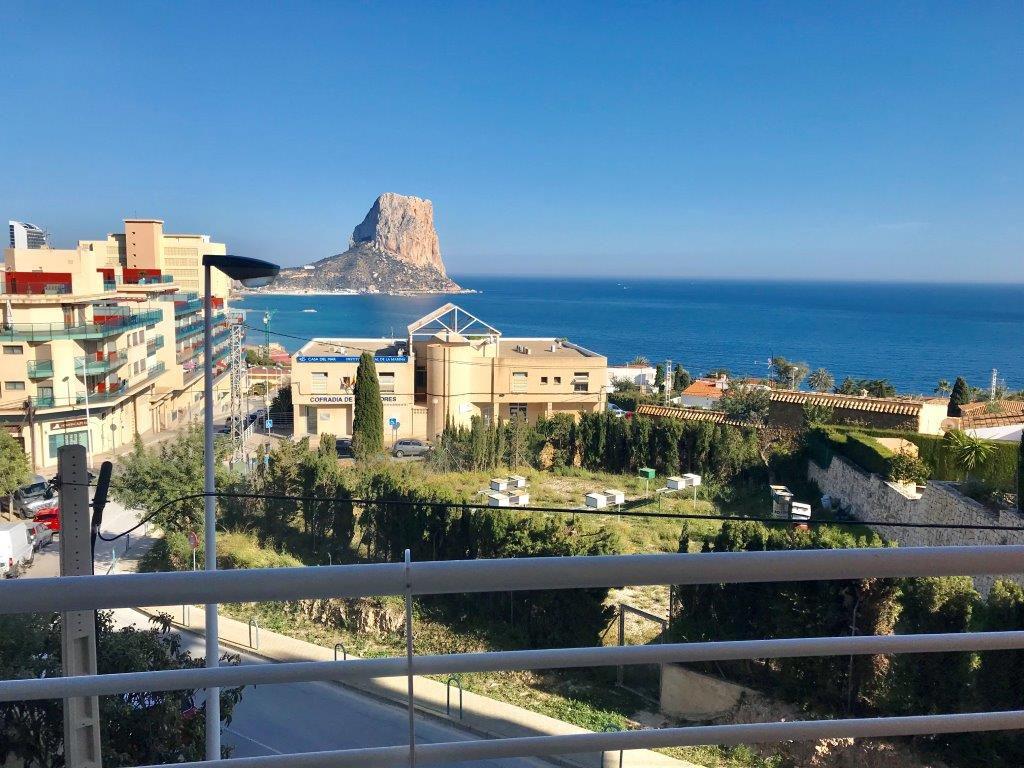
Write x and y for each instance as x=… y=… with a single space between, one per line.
x=309 y=310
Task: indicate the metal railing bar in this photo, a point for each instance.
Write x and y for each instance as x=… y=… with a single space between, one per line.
x=552 y=658
x=539 y=746
x=466 y=576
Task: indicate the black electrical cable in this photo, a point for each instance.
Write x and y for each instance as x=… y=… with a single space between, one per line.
x=627 y=512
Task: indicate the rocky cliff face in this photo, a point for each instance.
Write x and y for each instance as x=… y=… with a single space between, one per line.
x=404 y=227
x=394 y=249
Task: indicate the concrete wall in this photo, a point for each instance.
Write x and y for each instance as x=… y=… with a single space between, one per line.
x=869 y=497
x=693 y=696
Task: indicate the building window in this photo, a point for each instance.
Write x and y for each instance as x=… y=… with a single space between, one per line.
x=543 y=379
x=59 y=439
x=319 y=383
x=581 y=382
x=14 y=386
x=387 y=382
x=519 y=381
x=14 y=349
x=558 y=379
x=516 y=410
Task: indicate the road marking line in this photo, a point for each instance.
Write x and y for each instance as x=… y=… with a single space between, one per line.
x=267 y=747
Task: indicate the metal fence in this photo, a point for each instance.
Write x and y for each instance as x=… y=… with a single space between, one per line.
x=450 y=577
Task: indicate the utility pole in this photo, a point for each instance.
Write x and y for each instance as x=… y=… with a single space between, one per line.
x=993 y=385
x=78 y=628
x=668 y=380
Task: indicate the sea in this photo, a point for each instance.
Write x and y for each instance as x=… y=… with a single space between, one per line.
x=911 y=334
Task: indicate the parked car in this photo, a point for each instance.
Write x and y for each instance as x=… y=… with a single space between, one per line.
x=15 y=549
x=34 y=495
x=40 y=535
x=615 y=410
x=343 y=446
x=410 y=447
x=50 y=518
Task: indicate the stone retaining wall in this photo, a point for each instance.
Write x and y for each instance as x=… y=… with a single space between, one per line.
x=869 y=497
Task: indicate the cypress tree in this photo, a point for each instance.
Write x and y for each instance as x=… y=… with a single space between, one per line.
x=368 y=420
x=960 y=395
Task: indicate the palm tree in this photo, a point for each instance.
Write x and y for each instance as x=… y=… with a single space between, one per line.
x=943 y=388
x=969 y=452
x=639 y=360
x=821 y=380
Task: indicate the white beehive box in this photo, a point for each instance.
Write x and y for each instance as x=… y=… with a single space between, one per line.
x=614 y=496
x=692 y=480
x=516 y=481
x=519 y=499
x=798 y=510
x=782 y=502
x=596 y=500
x=499 y=484
x=676 y=483
x=497 y=500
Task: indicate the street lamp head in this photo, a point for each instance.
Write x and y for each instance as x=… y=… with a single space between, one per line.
x=252 y=273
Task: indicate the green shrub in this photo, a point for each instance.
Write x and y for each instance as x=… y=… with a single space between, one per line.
x=998 y=473
x=868 y=453
x=904 y=468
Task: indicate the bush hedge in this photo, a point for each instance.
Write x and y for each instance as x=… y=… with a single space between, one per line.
x=999 y=472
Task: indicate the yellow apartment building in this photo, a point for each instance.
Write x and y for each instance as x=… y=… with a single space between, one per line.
x=450 y=367
x=93 y=351
x=145 y=253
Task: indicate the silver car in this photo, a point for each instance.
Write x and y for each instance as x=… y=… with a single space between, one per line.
x=410 y=448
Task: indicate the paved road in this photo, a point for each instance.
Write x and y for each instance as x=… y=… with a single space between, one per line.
x=115 y=520
x=309 y=717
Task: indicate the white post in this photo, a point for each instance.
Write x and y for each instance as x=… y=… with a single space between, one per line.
x=210 y=523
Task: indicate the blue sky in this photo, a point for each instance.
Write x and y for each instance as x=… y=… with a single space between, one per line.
x=818 y=140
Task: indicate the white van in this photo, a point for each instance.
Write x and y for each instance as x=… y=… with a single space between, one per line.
x=15 y=549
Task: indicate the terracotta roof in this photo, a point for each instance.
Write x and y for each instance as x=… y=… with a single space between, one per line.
x=688 y=414
x=850 y=402
x=991 y=413
x=702 y=389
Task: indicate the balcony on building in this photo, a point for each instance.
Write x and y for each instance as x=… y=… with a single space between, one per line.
x=107 y=322
x=155 y=343
x=40 y=369
x=145 y=277
x=99 y=362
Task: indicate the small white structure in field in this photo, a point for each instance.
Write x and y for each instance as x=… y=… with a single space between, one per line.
x=676 y=483
x=596 y=500
x=798 y=510
x=497 y=500
x=516 y=481
x=519 y=499
x=614 y=496
x=782 y=500
x=499 y=484
x=692 y=480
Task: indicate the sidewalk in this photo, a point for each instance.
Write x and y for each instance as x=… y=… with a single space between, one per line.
x=480 y=715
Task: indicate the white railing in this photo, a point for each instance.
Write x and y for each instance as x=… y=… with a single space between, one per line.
x=426 y=578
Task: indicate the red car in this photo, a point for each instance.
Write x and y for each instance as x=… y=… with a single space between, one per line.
x=49 y=517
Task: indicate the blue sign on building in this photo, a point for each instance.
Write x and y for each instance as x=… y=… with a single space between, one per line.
x=350 y=359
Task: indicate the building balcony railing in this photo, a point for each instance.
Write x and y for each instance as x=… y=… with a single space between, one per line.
x=109 y=285
x=101 y=362
x=409 y=579
x=104 y=326
x=43 y=401
x=187 y=307
x=155 y=343
x=40 y=369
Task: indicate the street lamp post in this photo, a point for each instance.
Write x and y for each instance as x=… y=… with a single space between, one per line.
x=252 y=273
x=88 y=424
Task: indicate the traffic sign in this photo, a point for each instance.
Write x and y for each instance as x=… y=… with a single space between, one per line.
x=393 y=423
x=268 y=423
x=193 y=540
